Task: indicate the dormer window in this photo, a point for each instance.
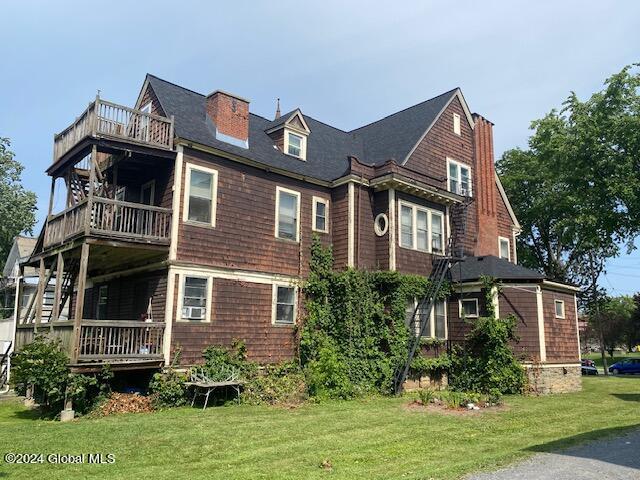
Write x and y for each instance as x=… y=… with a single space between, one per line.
x=290 y=133
x=294 y=144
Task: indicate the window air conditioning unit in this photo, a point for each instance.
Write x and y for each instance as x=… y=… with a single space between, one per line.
x=193 y=313
x=464 y=192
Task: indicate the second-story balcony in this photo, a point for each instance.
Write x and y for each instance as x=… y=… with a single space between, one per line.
x=103 y=119
x=112 y=219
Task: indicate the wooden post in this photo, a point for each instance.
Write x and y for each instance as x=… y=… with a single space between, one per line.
x=58 y=291
x=77 y=318
x=40 y=294
x=17 y=313
x=53 y=191
x=92 y=181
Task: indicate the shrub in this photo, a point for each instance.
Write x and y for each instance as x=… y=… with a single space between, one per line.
x=220 y=361
x=43 y=364
x=426 y=396
x=433 y=367
x=487 y=364
x=168 y=389
x=278 y=384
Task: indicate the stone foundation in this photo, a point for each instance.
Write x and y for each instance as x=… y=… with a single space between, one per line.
x=411 y=385
x=549 y=378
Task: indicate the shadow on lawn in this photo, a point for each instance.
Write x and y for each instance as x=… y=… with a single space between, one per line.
x=617 y=445
x=627 y=397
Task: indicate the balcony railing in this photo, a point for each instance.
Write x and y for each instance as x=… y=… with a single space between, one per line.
x=106 y=119
x=104 y=340
x=110 y=218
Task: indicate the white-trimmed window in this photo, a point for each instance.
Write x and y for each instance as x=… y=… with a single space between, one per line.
x=295 y=144
x=504 y=248
x=200 y=195
x=287 y=214
x=559 y=307
x=195 y=298
x=459 y=178
x=284 y=305
x=456 y=124
x=101 y=307
x=421 y=228
x=436 y=319
x=320 y=215
x=468 y=308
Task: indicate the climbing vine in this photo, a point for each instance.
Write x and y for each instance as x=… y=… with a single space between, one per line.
x=354 y=337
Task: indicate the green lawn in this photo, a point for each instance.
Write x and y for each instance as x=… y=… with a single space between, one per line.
x=373 y=438
x=597 y=358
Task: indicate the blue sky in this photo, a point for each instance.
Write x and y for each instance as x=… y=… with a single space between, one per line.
x=345 y=63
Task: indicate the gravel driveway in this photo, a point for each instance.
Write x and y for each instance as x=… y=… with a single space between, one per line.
x=617 y=458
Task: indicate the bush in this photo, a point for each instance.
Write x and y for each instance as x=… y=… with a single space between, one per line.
x=43 y=364
x=219 y=362
x=426 y=396
x=168 y=389
x=278 y=384
x=487 y=364
x=434 y=367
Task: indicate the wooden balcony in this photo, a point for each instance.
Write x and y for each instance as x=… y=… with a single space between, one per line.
x=112 y=219
x=120 y=343
x=103 y=119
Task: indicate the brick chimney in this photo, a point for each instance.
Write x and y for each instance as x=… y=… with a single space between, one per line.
x=485 y=190
x=230 y=114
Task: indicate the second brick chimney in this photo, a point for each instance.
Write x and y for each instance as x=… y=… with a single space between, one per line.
x=486 y=190
x=230 y=115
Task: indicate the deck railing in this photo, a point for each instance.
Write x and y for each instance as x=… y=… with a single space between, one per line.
x=103 y=340
x=112 y=218
x=107 y=119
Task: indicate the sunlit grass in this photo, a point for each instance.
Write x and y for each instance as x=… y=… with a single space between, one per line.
x=370 y=438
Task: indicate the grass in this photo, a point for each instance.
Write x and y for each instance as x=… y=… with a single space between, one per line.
x=597 y=358
x=375 y=438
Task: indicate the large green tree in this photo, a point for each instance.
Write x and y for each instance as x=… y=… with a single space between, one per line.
x=17 y=205
x=576 y=188
x=615 y=321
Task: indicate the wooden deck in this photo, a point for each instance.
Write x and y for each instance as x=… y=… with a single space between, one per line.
x=103 y=119
x=103 y=341
x=112 y=219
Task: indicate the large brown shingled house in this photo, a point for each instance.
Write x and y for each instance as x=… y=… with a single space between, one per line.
x=189 y=222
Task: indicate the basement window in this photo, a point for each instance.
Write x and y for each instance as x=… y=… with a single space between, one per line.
x=284 y=305
x=559 y=306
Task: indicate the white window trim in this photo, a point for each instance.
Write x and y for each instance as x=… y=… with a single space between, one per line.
x=181 y=280
x=500 y=240
x=147 y=108
x=274 y=304
x=555 y=310
x=152 y=184
x=457 y=128
x=315 y=201
x=451 y=161
x=303 y=144
x=277 y=216
x=414 y=215
x=461 y=310
x=432 y=321
x=187 y=187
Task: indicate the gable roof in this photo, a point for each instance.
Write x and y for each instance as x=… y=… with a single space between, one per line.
x=397 y=136
x=472 y=268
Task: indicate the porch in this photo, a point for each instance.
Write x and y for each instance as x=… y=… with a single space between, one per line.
x=120 y=343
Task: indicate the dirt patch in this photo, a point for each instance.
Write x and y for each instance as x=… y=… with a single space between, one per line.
x=418 y=406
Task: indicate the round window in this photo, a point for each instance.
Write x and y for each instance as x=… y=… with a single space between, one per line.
x=381 y=224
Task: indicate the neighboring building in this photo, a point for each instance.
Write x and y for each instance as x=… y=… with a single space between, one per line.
x=189 y=222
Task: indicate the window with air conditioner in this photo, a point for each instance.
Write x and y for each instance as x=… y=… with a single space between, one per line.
x=194 y=298
x=459 y=178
